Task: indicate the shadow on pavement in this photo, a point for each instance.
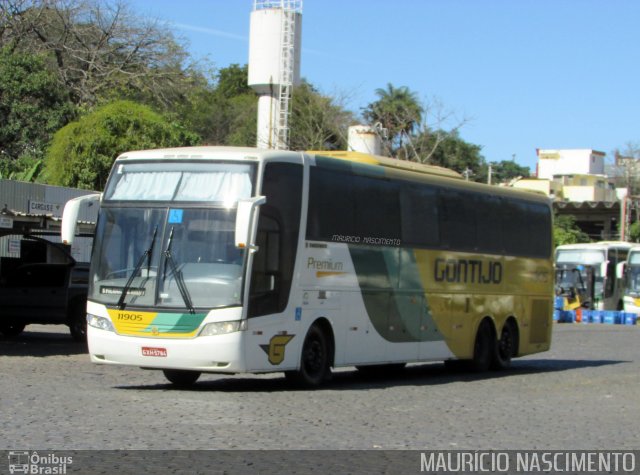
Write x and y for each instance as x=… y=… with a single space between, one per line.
x=430 y=374
x=41 y=344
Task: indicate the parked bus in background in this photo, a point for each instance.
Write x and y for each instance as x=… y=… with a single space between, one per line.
x=632 y=282
x=230 y=260
x=600 y=267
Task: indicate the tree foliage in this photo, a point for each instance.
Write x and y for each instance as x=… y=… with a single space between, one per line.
x=82 y=152
x=449 y=150
x=32 y=108
x=507 y=170
x=565 y=231
x=95 y=52
x=398 y=111
x=317 y=121
x=223 y=113
x=98 y=47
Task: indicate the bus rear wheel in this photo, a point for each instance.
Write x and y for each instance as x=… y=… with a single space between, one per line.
x=506 y=347
x=314 y=360
x=181 y=378
x=484 y=348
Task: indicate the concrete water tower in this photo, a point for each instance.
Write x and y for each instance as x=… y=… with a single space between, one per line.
x=274 y=66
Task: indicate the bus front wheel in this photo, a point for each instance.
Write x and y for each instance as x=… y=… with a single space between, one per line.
x=314 y=360
x=180 y=377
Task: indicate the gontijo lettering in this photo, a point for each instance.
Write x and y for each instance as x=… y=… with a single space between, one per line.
x=467 y=271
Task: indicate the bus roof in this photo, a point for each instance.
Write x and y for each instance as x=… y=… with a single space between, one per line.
x=602 y=245
x=400 y=167
x=204 y=152
x=388 y=162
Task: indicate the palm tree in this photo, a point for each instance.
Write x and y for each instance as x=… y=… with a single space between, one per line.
x=398 y=110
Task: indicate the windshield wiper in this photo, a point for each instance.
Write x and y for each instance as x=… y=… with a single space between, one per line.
x=147 y=253
x=168 y=259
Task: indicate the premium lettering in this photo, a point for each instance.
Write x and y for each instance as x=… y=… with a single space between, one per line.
x=467 y=271
x=322 y=264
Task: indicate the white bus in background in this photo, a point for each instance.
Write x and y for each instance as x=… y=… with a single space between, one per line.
x=632 y=281
x=606 y=260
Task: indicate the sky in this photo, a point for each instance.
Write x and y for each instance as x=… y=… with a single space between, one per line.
x=516 y=75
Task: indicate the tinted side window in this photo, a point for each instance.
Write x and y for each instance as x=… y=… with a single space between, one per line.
x=377 y=208
x=346 y=205
x=419 y=211
x=526 y=228
x=489 y=224
x=539 y=226
x=457 y=220
x=331 y=205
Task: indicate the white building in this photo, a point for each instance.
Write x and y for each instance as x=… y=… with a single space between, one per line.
x=569 y=162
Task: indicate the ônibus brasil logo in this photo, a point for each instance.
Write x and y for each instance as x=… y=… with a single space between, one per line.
x=24 y=461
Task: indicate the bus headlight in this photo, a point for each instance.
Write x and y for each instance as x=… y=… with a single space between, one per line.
x=100 y=322
x=222 y=328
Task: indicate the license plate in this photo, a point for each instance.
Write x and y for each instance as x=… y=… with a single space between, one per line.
x=148 y=351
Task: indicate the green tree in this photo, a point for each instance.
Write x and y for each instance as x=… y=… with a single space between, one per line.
x=82 y=152
x=32 y=108
x=222 y=113
x=233 y=80
x=99 y=49
x=506 y=170
x=634 y=232
x=565 y=231
x=397 y=110
x=317 y=122
x=449 y=150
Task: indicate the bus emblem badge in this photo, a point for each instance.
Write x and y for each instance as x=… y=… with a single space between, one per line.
x=275 y=348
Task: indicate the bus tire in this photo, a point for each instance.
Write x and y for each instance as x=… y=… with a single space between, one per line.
x=11 y=329
x=314 y=360
x=78 y=321
x=181 y=378
x=506 y=346
x=483 y=348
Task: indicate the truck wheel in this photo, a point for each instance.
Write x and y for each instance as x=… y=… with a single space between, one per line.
x=78 y=322
x=11 y=329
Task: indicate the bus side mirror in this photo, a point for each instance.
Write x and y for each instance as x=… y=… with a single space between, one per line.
x=70 y=216
x=621 y=270
x=603 y=269
x=244 y=219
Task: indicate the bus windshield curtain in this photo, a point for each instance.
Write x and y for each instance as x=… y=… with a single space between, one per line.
x=225 y=187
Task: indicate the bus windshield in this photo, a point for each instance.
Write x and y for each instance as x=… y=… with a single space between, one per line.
x=633 y=276
x=579 y=259
x=173 y=251
x=580 y=256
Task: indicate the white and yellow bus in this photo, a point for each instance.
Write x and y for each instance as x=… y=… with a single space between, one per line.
x=606 y=261
x=229 y=260
x=632 y=281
